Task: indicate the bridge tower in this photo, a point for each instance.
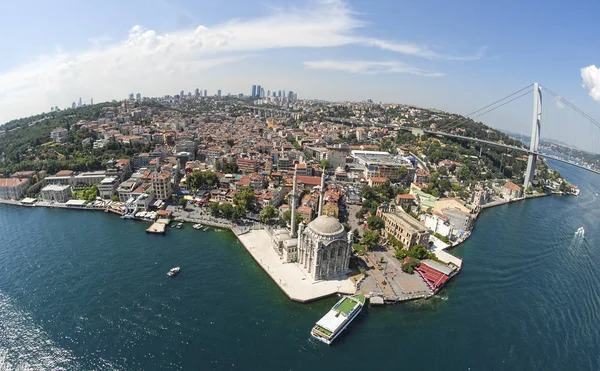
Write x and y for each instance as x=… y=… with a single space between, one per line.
x=535 y=135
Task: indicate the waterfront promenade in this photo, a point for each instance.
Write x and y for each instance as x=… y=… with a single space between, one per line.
x=289 y=277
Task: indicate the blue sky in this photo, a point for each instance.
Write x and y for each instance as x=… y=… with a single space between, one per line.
x=453 y=55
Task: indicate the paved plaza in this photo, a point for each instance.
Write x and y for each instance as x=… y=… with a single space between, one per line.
x=288 y=276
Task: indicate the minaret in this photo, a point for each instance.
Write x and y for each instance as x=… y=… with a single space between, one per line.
x=294 y=205
x=322 y=194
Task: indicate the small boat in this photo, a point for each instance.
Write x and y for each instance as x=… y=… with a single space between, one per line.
x=205 y=229
x=173 y=225
x=173 y=271
x=580 y=230
x=197 y=226
x=179 y=225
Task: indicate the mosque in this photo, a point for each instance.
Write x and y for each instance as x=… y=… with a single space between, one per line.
x=321 y=249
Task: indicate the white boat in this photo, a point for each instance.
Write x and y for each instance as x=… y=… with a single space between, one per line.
x=173 y=271
x=338 y=318
x=197 y=226
x=205 y=229
x=179 y=225
x=580 y=230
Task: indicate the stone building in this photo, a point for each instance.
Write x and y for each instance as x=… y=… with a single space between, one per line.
x=324 y=248
x=403 y=227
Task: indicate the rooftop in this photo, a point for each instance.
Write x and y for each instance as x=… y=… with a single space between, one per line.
x=326 y=225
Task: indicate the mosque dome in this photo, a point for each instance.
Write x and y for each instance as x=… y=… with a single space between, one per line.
x=326 y=226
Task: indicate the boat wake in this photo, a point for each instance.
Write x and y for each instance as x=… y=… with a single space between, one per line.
x=578 y=237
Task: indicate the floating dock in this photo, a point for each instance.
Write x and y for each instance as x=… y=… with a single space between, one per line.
x=157 y=228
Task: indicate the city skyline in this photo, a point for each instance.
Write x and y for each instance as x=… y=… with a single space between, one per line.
x=454 y=57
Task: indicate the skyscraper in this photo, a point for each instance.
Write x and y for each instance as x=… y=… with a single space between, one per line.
x=253 y=91
x=290 y=95
x=197 y=93
x=268 y=93
x=80 y=103
x=91 y=101
x=130 y=95
x=279 y=94
x=274 y=94
x=258 y=88
x=73 y=105
x=262 y=92
x=181 y=94
x=205 y=93
x=138 y=96
x=219 y=93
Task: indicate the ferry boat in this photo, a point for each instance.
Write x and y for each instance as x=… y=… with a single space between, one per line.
x=338 y=318
x=173 y=271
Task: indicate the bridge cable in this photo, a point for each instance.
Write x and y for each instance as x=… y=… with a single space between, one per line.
x=452 y=126
x=578 y=110
x=457 y=121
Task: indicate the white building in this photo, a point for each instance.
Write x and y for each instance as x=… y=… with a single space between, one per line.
x=89 y=178
x=108 y=187
x=56 y=192
x=439 y=224
x=59 y=135
x=323 y=249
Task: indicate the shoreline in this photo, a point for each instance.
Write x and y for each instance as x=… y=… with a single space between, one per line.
x=290 y=279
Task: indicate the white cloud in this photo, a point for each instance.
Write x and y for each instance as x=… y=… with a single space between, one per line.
x=371 y=67
x=591 y=81
x=157 y=64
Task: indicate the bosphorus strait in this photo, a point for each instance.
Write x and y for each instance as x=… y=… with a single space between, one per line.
x=87 y=290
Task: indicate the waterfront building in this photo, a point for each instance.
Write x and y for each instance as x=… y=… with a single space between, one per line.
x=324 y=248
x=403 y=227
x=438 y=223
x=57 y=193
x=126 y=188
x=89 y=178
x=511 y=190
x=108 y=187
x=59 y=135
x=459 y=220
x=13 y=188
x=64 y=177
x=161 y=184
x=120 y=168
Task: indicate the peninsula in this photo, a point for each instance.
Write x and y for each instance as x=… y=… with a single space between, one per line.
x=356 y=204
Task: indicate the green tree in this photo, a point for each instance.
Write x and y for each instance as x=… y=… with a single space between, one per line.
x=287 y=218
x=370 y=239
x=226 y=210
x=268 y=212
x=375 y=223
x=245 y=198
x=230 y=142
x=324 y=163
x=214 y=208
x=199 y=179
x=182 y=202
x=115 y=198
